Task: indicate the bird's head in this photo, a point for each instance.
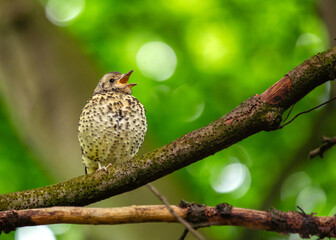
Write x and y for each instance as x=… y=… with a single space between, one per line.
x=115 y=81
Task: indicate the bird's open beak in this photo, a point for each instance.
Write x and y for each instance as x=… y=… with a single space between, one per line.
x=124 y=79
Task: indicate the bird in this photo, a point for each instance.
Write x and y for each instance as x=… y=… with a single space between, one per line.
x=112 y=125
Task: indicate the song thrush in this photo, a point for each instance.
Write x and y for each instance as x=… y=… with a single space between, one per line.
x=112 y=125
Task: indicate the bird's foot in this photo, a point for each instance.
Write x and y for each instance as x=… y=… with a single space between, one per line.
x=103 y=168
x=109 y=165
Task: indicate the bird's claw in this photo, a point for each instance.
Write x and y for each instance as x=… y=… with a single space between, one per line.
x=103 y=168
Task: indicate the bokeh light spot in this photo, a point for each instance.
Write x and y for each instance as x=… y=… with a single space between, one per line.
x=188 y=103
x=332 y=212
x=61 y=12
x=294 y=184
x=59 y=229
x=158 y=91
x=34 y=233
x=309 y=43
x=156 y=60
x=214 y=46
x=294 y=237
x=307 y=39
x=197 y=112
x=230 y=178
x=311 y=199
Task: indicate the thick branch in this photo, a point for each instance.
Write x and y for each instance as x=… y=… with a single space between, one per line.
x=197 y=215
x=258 y=113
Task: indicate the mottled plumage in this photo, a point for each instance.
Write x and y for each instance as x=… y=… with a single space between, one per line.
x=112 y=125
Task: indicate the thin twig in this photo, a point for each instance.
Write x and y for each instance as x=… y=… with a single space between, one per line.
x=289 y=112
x=327 y=144
x=181 y=220
x=184 y=234
x=322 y=104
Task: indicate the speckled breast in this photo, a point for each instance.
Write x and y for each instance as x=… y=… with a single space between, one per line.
x=111 y=129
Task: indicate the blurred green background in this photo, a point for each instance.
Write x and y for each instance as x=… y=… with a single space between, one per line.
x=194 y=61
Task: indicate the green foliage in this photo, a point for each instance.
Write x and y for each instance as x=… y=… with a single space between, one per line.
x=16 y=160
x=226 y=52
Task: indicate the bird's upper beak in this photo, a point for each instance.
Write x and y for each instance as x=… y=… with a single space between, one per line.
x=124 y=79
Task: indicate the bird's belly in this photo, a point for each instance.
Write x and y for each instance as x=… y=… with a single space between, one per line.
x=111 y=136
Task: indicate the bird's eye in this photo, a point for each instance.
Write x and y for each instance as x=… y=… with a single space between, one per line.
x=111 y=80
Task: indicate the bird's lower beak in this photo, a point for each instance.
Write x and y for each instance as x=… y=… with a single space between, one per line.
x=124 y=80
x=131 y=85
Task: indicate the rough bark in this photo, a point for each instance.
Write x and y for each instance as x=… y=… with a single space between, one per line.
x=258 y=113
x=195 y=214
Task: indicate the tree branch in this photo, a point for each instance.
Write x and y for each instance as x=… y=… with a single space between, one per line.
x=197 y=215
x=178 y=218
x=327 y=144
x=258 y=113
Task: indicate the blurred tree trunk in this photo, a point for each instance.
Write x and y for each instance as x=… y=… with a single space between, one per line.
x=327 y=11
x=44 y=80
